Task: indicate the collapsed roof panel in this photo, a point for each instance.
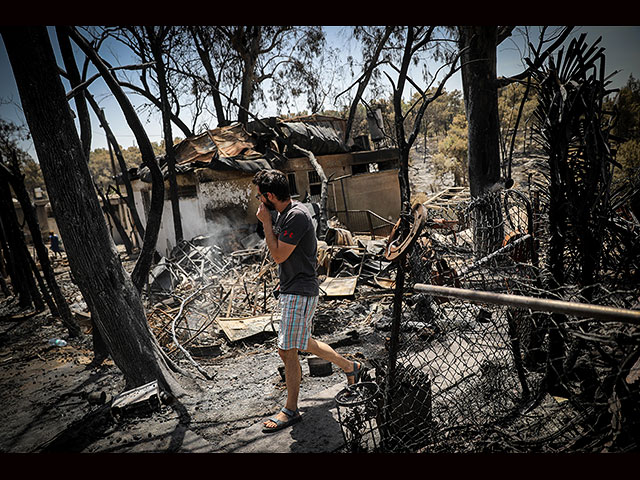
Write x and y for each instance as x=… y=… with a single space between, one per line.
x=230 y=147
x=233 y=147
x=320 y=134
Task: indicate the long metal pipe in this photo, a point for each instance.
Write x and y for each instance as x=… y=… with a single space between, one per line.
x=533 y=303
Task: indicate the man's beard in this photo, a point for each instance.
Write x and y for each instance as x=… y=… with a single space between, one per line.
x=269 y=205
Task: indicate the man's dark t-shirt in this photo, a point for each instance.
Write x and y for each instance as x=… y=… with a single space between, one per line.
x=298 y=272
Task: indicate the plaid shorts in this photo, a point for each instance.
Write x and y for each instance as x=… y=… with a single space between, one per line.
x=296 y=320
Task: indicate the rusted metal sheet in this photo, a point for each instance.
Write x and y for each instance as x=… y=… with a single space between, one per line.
x=231 y=146
x=397 y=246
x=387 y=283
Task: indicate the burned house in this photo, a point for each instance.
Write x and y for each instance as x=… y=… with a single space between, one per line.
x=47 y=221
x=215 y=169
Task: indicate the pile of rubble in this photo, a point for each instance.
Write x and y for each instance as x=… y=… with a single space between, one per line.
x=203 y=297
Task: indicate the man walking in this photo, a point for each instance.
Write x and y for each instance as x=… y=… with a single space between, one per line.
x=55 y=244
x=292 y=244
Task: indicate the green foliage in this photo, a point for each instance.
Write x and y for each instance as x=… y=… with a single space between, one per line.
x=10 y=135
x=627 y=105
x=440 y=113
x=33 y=177
x=627 y=127
x=438 y=117
x=509 y=101
x=102 y=168
x=452 y=152
x=628 y=157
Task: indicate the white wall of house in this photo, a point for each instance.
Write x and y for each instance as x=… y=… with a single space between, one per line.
x=225 y=199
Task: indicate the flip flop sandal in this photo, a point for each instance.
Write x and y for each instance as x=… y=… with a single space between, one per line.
x=357 y=372
x=294 y=417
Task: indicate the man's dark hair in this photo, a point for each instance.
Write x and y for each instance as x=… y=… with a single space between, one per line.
x=273 y=181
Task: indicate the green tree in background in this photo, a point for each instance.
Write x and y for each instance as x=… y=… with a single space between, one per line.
x=627 y=127
x=509 y=100
x=452 y=152
x=102 y=167
x=441 y=113
x=28 y=166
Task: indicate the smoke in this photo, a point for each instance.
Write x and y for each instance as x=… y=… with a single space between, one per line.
x=224 y=215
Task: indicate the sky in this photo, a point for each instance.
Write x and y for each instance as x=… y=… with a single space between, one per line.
x=621 y=43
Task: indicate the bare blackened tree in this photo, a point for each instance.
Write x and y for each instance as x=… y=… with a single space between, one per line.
x=406 y=44
x=152 y=46
x=16 y=252
x=157 y=38
x=574 y=130
x=417 y=40
x=92 y=256
x=478 y=48
x=79 y=92
x=215 y=60
x=398 y=49
x=154 y=217
x=58 y=304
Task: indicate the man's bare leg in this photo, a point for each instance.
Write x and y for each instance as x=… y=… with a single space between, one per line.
x=293 y=376
x=324 y=351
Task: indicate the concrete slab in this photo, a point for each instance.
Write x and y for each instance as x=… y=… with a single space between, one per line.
x=318 y=432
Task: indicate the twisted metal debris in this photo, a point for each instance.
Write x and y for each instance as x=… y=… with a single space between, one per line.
x=473 y=375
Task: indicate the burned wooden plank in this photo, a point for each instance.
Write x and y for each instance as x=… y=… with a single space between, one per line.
x=240 y=328
x=339 y=286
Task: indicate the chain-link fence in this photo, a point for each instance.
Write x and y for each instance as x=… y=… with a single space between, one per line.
x=463 y=375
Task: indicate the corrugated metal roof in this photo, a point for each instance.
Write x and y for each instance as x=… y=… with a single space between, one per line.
x=234 y=148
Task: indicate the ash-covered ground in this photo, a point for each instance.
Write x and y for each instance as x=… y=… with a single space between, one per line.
x=52 y=394
x=56 y=400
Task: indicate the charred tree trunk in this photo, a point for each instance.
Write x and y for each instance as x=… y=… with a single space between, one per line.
x=3 y=271
x=43 y=294
x=20 y=269
x=122 y=164
x=61 y=307
x=108 y=209
x=403 y=146
x=155 y=41
x=479 y=85
x=93 y=260
x=5 y=259
x=74 y=79
x=99 y=348
x=143 y=265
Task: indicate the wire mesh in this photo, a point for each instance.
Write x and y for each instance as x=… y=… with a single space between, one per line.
x=470 y=377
